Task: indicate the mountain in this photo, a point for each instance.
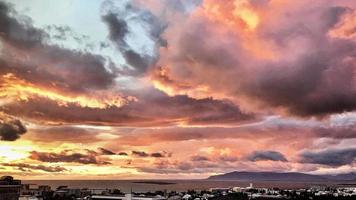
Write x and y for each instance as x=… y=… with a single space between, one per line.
x=281 y=176
x=342 y=177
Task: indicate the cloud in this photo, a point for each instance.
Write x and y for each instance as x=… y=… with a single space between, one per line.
x=117 y=27
x=121 y=28
x=248 y=131
x=345 y=28
x=18 y=32
x=157 y=155
x=26 y=167
x=89 y=157
x=140 y=153
x=88 y=92
x=346 y=131
x=153 y=108
x=62 y=133
x=182 y=167
x=154 y=155
x=284 y=129
x=122 y=154
x=10 y=129
x=266 y=155
x=329 y=157
x=228 y=158
x=199 y=158
x=216 y=95
x=50 y=71
x=106 y=152
x=282 y=64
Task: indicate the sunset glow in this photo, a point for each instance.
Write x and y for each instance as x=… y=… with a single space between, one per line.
x=178 y=89
x=14 y=88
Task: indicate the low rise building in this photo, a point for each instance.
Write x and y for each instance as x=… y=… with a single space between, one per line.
x=126 y=197
x=9 y=188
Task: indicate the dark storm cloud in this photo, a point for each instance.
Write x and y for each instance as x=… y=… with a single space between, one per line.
x=312 y=73
x=330 y=157
x=157 y=155
x=117 y=22
x=28 y=167
x=200 y=111
x=139 y=62
x=11 y=129
x=104 y=151
x=305 y=87
x=90 y=157
x=140 y=153
x=73 y=114
x=341 y=132
x=319 y=82
x=153 y=108
x=154 y=155
x=122 y=154
x=266 y=155
x=117 y=28
x=50 y=66
x=19 y=33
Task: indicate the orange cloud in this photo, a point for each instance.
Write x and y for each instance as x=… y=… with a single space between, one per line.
x=346 y=28
x=21 y=90
x=235 y=14
x=263 y=54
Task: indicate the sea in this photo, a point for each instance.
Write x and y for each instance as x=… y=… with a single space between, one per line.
x=171 y=185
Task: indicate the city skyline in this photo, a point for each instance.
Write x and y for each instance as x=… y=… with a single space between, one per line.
x=180 y=89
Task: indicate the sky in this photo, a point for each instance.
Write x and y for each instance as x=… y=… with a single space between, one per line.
x=176 y=89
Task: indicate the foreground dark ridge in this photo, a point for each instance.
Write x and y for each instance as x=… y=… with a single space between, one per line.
x=282 y=176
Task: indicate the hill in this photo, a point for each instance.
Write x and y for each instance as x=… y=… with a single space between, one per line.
x=269 y=176
x=342 y=177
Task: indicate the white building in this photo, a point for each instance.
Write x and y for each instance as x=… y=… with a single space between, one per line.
x=126 y=197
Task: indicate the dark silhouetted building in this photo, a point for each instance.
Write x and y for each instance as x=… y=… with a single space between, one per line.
x=9 y=188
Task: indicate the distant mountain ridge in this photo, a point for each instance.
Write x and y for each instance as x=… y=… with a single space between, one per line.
x=342 y=177
x=282 y=176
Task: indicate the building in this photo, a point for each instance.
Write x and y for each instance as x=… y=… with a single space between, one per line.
x=34 y=192
x=219 y=190
x=29 y=197
x=126 y=197
x=64 y=191
x=9 y=188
